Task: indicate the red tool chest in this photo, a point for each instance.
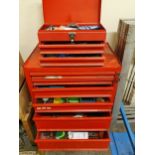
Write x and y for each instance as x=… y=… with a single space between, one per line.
x=72 y=77
x=83 y=82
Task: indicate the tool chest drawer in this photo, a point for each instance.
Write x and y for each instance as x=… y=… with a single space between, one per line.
x=72 y=60
x=74 y=92
x=71 y=104
x=74 y=89
x=59 y=79
x=67 y=47
x=99 y=142
x=84 y=54
x=73 y=121
x=62 y=72
x=72 y=80
x=72 y=107
x=46 y=35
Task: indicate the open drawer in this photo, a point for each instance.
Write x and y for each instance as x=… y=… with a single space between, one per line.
x=72 y=104
x=98 y=143
x=73 y=92
x=73 y=121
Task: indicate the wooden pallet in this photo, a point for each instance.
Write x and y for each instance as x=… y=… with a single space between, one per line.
x=27 y=124
x=28 y=153
x=21 y=72
x=24 y=101
x=25 y=108
x=130 y=113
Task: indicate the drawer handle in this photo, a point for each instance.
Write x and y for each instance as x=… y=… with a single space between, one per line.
x=72 y=36
x=53 y=77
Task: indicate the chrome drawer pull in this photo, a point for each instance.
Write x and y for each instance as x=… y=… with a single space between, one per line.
x=53 y=77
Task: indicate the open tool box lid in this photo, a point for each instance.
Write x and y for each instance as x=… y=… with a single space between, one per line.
x=71 y=11
x=83 y=13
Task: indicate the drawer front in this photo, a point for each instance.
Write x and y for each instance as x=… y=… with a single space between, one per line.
x=96 y=47
x=73 y=107
x=72 y=61
x=96 y=71
x=72 y=80
x=48 y=103
x=96 y=35
x=73 y=122
x=73 y=93
x=71 y=55
x=70 y=64
x=99 y=144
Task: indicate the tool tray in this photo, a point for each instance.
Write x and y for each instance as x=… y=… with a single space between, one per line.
x=72 y=36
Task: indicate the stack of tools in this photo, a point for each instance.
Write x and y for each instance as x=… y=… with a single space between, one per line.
x=72 y=77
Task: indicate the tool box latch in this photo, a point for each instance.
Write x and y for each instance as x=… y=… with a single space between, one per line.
x=72 y=36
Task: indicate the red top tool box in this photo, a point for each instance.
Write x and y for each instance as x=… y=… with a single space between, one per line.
x=72 y=77
x=72 y=34
x=71 y=21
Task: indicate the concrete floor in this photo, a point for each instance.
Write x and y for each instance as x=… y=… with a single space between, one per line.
x=65 y=153
x=77 y=153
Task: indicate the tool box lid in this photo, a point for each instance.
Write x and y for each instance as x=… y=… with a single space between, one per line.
x=71 y=11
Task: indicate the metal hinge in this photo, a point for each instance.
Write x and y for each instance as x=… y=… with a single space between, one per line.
x=117 y=77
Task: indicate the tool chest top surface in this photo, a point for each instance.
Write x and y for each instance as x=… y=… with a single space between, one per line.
x=111 y=63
